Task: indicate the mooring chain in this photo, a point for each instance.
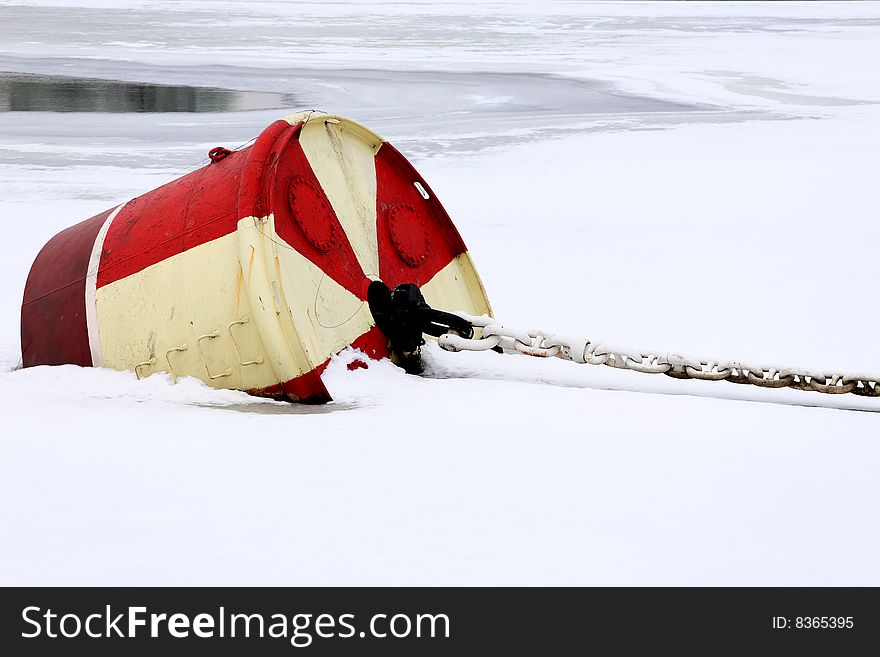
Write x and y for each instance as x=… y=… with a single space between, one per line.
x=497 y=336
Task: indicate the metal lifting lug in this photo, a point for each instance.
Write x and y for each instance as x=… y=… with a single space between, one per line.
x=403 y=316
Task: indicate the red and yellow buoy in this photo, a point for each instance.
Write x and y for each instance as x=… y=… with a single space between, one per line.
x=250 y=272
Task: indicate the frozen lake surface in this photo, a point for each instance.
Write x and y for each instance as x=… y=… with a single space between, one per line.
x=700 y=177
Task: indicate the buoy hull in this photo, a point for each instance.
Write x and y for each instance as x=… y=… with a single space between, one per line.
x=250 y=272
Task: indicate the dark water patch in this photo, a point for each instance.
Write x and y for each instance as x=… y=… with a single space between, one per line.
x=55 y=93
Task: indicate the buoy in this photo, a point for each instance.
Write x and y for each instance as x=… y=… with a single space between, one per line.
x=251 y=272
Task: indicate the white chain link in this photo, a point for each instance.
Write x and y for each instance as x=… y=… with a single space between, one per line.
x=581 y=350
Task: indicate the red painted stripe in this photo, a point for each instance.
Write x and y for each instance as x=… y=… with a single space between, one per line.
x=309 y=387
x=315 y=231
x=187 y=212
x=251 y=197
x=373 y=343
x=190 y=211
x=53 y=313
x=416 y=236
x=207 y=204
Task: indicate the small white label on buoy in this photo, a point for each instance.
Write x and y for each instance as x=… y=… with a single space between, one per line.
x=421 y=190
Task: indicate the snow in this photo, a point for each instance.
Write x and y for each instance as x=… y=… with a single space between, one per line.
x=698 y=177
